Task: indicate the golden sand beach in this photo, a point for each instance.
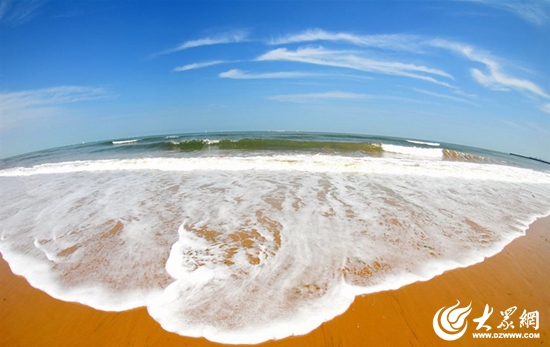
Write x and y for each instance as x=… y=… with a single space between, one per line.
x=518 y=276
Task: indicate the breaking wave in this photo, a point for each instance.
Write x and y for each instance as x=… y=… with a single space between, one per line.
x=434 y=144
x=284 y=145
x=124 y=142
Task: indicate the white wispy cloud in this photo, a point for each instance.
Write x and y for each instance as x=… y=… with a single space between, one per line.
x=442 y=96
x=545 y=108
x=535 y=12
x=54 y=95
x=464 y=94
x=351 y=60
x=238 y=74
x=194 y=66
x=225 y=38
x=390 y=41
x=4 y=6
x=406 y=51
x=30 y=105
x=311 y=97
x=494 y=78
x=19 y=12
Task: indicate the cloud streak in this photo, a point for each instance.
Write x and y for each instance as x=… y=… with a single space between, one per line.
x=27 y=106
x=315 y=97
x=494 y=78
x=16 y=13
x=443 y=96
x=398 y=42
x=238 y=74
x=195 y=66
x=351 y=60
x=533 y=12
x=367 y=54
x=226 y=38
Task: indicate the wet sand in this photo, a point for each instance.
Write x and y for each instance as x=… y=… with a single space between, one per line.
x=518 y=276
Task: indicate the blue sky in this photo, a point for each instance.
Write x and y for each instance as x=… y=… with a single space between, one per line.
x=467 y=72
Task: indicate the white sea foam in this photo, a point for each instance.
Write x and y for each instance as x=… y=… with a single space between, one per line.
x=205 y=141
x=246 y=249
x=300 y=163
x=435 y=144
x=211 y=142
x=125 y=142
x=414 y=151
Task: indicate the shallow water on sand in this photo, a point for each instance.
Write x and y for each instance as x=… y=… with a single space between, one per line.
x=244 y=247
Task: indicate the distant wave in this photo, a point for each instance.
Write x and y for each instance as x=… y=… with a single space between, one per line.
x=211 y=142
x=435 y=144
x=256 y=144
x=173 y=143
x=125 y=142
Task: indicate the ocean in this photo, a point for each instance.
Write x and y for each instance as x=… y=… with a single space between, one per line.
x=247 y=237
